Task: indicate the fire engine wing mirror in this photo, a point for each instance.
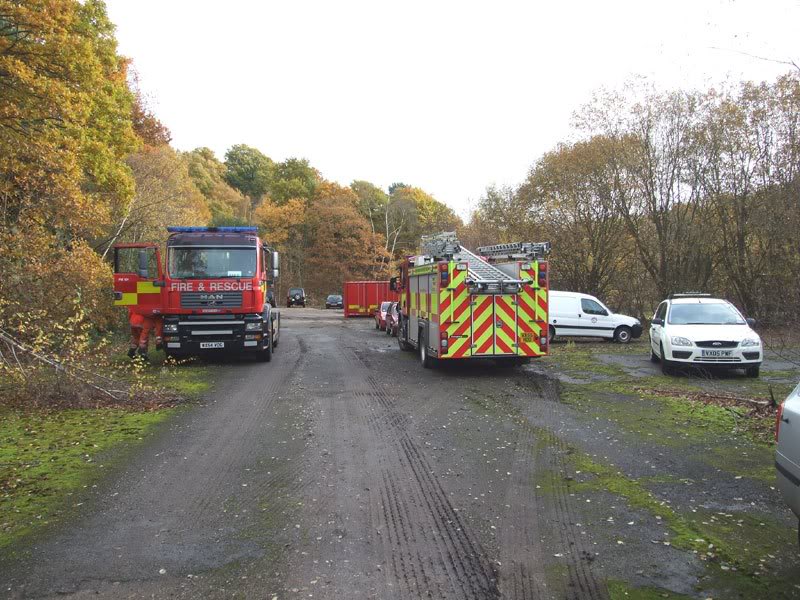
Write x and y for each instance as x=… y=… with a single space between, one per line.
x=393 y=284
x=143 y=270
x=276 y=264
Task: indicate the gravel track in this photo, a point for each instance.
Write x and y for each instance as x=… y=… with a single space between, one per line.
x=340 y=469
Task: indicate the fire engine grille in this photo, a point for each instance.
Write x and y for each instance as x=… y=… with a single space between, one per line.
x=211 y=299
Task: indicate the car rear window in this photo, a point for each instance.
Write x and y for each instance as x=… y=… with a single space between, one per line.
x=385 y=305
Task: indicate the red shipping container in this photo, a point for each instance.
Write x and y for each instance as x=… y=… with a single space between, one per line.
x=362 y=298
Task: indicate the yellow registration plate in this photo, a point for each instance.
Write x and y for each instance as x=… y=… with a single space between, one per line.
x=528 y=337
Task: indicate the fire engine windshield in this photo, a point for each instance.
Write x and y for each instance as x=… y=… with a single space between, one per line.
x=211 y=263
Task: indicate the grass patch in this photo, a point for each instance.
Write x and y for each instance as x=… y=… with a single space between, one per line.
x=576 y=360
x=741 y=547
x=619 y=590
x=48 y=456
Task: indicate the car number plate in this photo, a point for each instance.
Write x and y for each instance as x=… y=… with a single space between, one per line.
x=716 y=353
x=204 y=345
x=528 y=337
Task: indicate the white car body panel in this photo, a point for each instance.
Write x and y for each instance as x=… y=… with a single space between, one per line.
x=787 y=455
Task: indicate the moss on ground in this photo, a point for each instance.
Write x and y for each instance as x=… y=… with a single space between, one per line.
x=48 y=456
x=620 y=590
x=739 y=549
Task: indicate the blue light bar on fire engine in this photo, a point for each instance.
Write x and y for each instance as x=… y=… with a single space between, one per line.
x=243 y=229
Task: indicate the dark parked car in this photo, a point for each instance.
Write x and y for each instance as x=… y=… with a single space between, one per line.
x=296 y=297
x=393 y=319
x=334 y=301
x=380 y=316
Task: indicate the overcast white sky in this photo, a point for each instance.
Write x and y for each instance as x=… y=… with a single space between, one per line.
x=447 y=96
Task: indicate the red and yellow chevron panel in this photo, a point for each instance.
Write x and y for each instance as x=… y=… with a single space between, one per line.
x=532 y=311
x=505 y=312
x=454 y=313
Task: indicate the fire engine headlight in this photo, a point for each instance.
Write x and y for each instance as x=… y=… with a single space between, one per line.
x=170 y=328
x=254 y=326
x=747 y=342
x=681 y=341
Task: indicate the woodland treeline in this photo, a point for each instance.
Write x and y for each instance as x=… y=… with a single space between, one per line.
x=664 y=192
x=84 y=164
x=656 y=192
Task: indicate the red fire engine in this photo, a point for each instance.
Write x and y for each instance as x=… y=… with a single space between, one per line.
x=458 y=305
x=212 y=291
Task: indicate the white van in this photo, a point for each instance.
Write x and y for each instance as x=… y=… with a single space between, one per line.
x=580 y=315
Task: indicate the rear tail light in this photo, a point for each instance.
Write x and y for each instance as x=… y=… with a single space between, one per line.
x=443 y=340
x=542 y=274
x=778 y=418
x=444 y=275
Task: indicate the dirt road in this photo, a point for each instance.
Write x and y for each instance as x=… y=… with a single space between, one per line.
x=319 y=475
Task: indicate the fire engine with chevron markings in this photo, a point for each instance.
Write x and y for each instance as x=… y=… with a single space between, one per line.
x=459 y=305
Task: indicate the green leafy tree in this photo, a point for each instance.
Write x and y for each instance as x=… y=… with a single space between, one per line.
x=228 y=206
x=293 y=178
x=249 y=171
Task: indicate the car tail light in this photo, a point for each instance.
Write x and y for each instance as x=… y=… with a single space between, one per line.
x=778 y=419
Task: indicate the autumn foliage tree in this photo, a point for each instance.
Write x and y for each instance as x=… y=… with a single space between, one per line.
x=342 y=247
x=65 y=131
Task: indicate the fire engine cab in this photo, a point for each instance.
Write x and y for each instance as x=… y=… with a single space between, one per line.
x=211 y=292
x=455 y=304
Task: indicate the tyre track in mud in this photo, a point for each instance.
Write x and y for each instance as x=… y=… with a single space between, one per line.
x=166 y=510
x=581 y=582
x=430 y=547
x=522 y=573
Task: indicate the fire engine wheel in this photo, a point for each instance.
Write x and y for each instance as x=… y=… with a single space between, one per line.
x=426 y=359
x=404 y=346
x=266 y=354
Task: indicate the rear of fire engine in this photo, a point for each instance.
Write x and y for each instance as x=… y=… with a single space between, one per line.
x=457 y=305
x=211 y=292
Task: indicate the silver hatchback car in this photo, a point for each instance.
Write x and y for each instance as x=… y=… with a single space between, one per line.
x=787 y=457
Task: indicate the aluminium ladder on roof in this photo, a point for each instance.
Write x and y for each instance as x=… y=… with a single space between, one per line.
x=480 y=270
x=446 y=245
x=516 y=250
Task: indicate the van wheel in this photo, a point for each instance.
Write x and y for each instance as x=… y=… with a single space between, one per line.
x=752 y=371
x=622 y=335
x=551 y=334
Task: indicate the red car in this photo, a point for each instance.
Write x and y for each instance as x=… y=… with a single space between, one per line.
x=393 y=319
x=380 y=316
